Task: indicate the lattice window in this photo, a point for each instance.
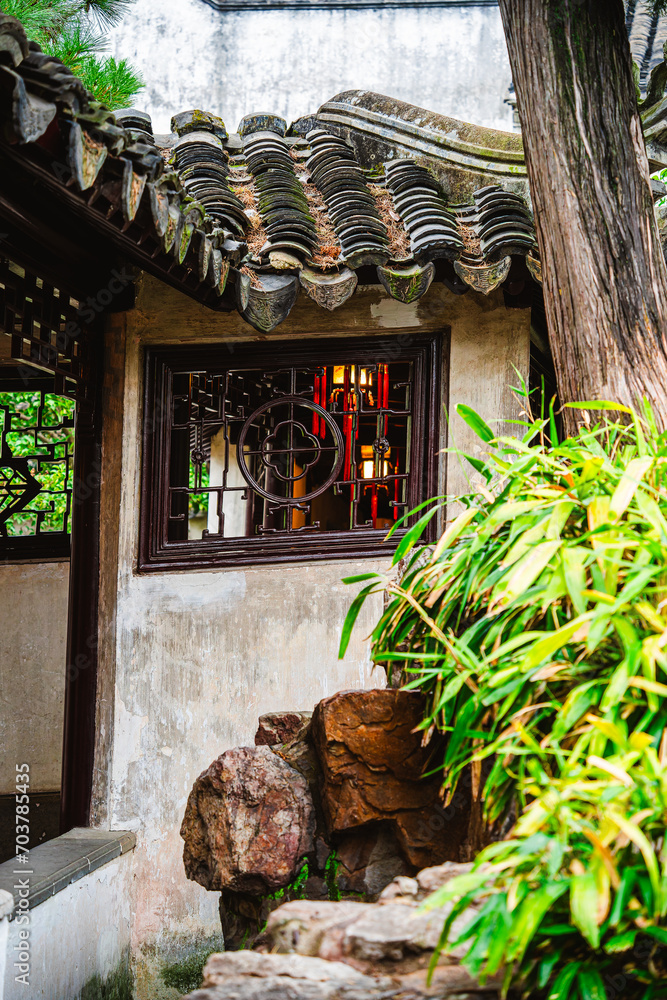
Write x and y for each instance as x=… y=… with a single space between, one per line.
x=36 y=467
x=285 y=450
x=47 y=329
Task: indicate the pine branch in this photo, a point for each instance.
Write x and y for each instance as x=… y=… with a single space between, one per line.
x=107 y=12
x=43 y=20
x=112 y=82
x=74 y=45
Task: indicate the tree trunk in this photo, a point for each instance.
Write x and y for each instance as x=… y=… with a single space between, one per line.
x=605 y=281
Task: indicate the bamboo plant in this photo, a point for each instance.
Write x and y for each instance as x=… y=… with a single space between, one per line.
x=536 y=628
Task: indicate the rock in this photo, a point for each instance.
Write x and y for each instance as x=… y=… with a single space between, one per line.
x=369 y=858
x=281 y=727
x=221 y=967
x=434 y=878
x=247 y=975
x=248 y=823
x=396 y=936
x=301 y=926
x=392 y=931
x=425 y=882
x=399 y=889
x=372 y=763
x=448 y=981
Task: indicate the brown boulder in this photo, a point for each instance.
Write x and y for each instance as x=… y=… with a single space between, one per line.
x=281 y=727
x=373 y=764
x=248 y=823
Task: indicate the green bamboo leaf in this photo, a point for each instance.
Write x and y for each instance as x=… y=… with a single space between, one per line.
x=591 y=984
x=413 y=534
x=529 y=915
x=561 y=988
x=553 y=433
x=360 y=578
x=553 y=641
x=574 y=559
x=525 y=572
x=351 y=617
x=600 y=404
x=473 y=420
x=584 y=906
x=621 y=942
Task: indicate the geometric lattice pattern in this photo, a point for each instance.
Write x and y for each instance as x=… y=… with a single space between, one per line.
x=36 y=463
x=46 y=329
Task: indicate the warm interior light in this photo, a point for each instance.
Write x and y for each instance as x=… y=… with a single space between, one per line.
x=365 y=378
x=368 y=452
x=368 y=468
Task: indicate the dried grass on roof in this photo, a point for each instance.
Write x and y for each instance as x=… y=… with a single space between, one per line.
x=471 y=243
x=399 y=241
x=255 y=236
x=254 y=279
x=327 y=252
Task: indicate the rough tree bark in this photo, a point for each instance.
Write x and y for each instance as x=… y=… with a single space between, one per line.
x=605 y=281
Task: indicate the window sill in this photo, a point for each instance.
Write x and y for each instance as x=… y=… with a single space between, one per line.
x=60 y=862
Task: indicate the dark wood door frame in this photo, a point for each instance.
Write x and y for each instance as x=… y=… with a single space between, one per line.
x=82 y=626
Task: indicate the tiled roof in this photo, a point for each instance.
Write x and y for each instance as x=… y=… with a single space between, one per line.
x=367 y=189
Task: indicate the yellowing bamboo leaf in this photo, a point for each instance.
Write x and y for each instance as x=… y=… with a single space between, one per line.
x=558 y=519
x=511 y=510
x=525 y=543
x=640 y=741
x=598 y=512
x=598 y=595
x=650 y=615
x=605 y=856
x=526 y=571
x=611 y=731
x=458 y=525
x=612 y=769
x=639 y=838
x=651 y=687
x=627 y=487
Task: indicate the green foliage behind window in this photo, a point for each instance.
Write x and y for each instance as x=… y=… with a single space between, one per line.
x=45 y=435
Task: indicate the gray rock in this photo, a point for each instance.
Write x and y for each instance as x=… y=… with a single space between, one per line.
x=302 y=926
x=249 y=975
x=392 y=931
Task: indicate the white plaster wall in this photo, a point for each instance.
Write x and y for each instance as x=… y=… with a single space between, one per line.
x=199 y=655
x=82 y=931
x=33 y=636
x=452 y=60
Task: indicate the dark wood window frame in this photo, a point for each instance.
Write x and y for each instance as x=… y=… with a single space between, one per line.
x=158 y=554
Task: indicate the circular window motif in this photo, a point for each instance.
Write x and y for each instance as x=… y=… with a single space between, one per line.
x=282 y=442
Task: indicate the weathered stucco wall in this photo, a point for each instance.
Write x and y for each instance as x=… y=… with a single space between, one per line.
x=79 y=941
x=190 y=659
x=447 y=59
x=33 y=636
